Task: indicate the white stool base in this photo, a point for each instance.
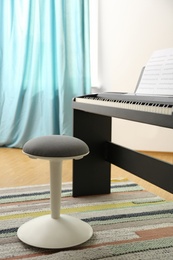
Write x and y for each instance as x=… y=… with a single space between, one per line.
x=46 y=232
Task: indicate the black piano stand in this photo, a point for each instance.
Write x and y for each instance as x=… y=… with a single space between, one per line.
x=91 y=175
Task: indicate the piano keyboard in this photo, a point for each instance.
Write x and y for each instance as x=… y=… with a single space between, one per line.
x=145 y=106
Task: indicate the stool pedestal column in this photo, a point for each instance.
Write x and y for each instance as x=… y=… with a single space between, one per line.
x=55 y=187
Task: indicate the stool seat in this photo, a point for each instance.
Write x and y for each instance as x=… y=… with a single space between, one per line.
x=55 y=231
x=58 y=146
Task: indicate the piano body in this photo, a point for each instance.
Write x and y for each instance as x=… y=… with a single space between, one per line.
x=92 y=117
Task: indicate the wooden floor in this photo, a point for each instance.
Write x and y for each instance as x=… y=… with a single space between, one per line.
x=16 y=169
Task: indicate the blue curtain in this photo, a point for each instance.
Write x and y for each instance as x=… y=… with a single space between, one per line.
x=44 y=63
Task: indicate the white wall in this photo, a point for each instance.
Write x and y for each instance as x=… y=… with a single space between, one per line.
x=128 y=32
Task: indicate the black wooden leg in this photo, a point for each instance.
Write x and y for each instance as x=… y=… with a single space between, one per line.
x=150 y=169
x=91 y=175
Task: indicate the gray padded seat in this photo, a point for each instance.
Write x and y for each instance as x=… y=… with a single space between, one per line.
x=55 y=230
x=56 y=146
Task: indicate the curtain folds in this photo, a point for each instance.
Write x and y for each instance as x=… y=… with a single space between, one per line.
x=44 y=63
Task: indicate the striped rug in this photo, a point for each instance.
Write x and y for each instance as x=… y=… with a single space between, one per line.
x=130 y=223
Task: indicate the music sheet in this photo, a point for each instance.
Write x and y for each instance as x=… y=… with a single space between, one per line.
x=157 y=78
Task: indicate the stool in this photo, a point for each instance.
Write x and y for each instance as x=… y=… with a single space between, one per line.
x=55 y=230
